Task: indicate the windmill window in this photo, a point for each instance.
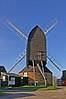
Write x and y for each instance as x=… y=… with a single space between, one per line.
x=40 y=55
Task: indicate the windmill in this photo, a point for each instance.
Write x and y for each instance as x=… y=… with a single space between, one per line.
x=13 y=27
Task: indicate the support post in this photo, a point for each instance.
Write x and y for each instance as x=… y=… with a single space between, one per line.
x=8 y=80
x=43 y=73
x=53 y=81
x=34 y=73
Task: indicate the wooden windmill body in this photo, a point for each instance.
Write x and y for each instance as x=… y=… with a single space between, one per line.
x=36 y=56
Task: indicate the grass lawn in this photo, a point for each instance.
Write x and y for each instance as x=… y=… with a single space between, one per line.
x=32 y=88
x=1 y=94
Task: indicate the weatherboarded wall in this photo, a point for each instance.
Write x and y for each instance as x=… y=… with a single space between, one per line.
x=36 y=46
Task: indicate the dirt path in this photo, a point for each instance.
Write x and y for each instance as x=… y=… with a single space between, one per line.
x=50 y=94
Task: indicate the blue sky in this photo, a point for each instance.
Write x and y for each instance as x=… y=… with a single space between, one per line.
x=25 y=14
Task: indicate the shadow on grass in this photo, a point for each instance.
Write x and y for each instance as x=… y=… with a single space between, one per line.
x=13 y=95
x=2 y=94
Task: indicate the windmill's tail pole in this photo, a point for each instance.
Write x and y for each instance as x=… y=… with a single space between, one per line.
x=42 y=74
x=16 y=63
x=34 y=72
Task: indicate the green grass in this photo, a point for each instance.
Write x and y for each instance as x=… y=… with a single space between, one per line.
x=51 y=88
x=30 y=88
x=2 y=94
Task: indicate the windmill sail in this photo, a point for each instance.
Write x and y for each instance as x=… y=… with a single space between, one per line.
x=50 y=27
x=16 y=63
x=12 y=26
